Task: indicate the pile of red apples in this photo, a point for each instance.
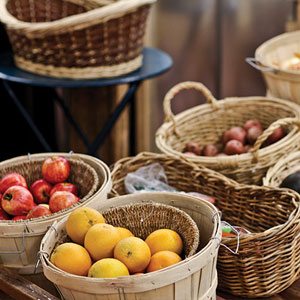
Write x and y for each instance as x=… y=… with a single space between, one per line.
x=235 y=140
x=49 y=194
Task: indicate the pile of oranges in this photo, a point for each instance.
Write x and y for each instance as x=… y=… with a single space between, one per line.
x=101 y=250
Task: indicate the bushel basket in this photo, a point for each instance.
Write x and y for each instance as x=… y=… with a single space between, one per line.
x=259 y=264
x=194 y=278
x=206 y=123
x=74 y=38
x=20 y=240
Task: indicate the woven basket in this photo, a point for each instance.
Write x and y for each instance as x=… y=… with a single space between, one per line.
x=75 y=38
x=272 y=59
x=268 y=259
x=20 y=240
x=193 y=278
x=206 y=123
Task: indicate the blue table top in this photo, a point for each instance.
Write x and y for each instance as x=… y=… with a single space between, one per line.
x=155 y=62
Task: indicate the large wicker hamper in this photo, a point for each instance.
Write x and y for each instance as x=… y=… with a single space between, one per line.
x=206 y=123
x=267 y=260
x=74 y=38
x=20 y=241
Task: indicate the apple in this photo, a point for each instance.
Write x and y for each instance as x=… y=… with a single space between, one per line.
x=65 y=186
x=17 y=200
x=61 y=200
x=252 y=123
x=12 y=179
x=234 y=133
x=56 y=169
x=38 y=211
x=18 y=218
x=40 y=190
x=234 y=147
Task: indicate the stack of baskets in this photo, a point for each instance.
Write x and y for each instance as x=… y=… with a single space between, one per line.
x=75 y=38
x=267 y=260
x=20 y=240
x=193 y=278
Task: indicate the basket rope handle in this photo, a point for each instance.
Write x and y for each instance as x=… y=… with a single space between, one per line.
x=169 y=116
x=267 y=132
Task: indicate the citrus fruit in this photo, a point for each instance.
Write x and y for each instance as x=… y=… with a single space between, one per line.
x=108 y=268
x=80 y=221
x=164 y=239
x=162 y=259
x=124 y=232
x=71 y=258
x=134 y=253
x=100 y=240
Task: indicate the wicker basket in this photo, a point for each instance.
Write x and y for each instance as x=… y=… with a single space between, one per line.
x=193 y=278
x=268 y=259
x=75 y=38
x=206 y=123
x=20 y=241
x=272 y=57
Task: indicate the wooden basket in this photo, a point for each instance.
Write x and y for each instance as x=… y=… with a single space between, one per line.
x=20 y=240
x=271 y=59
x=75 y=38
x=268 y=259
x=194 y=278
x=206 y=123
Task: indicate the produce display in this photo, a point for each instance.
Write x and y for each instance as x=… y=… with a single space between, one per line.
x=97 y=249
x=49 y=194
x=235 y=140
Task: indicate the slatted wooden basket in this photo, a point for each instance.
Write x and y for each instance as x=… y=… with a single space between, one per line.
x=193 y=278
x=74 y=38
x=20 y=240
x=267 y=259
x=206 y=123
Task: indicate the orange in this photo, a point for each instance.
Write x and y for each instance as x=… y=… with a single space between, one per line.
x=71 y=258
x=108 y=268
x=80 y=221
x=162 y=259
x=124 y=232
x=164 y=239
x=134 y=253
x=100 y=240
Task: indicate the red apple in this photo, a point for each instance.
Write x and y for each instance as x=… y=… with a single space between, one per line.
x=40 y=190
x=210 y=150
x=234 y=133
x=193 y=147
x=56 y=169
x=234 y=147
x=17 y=200
x=18 y=218
x=277 y=134
x=12 y=179
x=252 y=123
x=65 y=186
x=61 y=200
x=38 y=211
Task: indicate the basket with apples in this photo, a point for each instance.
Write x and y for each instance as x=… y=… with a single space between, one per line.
x=240 y=137
x=35 y=191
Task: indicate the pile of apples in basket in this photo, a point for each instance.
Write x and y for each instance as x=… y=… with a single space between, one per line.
x=49 y=194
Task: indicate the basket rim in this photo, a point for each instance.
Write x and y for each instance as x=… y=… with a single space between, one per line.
x=71 y=23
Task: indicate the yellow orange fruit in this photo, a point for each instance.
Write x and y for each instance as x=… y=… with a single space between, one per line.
x=164 y=239
x=134 y=253
x=80 y=221
x=100 y=240
x=124 y=232
x=162 y=259
x=71 y=258
x=108 y=268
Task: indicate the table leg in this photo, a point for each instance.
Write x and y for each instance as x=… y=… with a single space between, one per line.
x=128 y=98
x=26 y=116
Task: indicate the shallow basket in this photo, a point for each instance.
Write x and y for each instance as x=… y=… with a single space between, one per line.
x=74 y=38
x=20 y=241
x=268 y=259
x=271 y=59
x=206 y=123
x=194 y=278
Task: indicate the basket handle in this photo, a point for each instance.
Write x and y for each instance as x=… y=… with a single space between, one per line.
x=267 y=132
x=259 y=66
x=169 y=116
